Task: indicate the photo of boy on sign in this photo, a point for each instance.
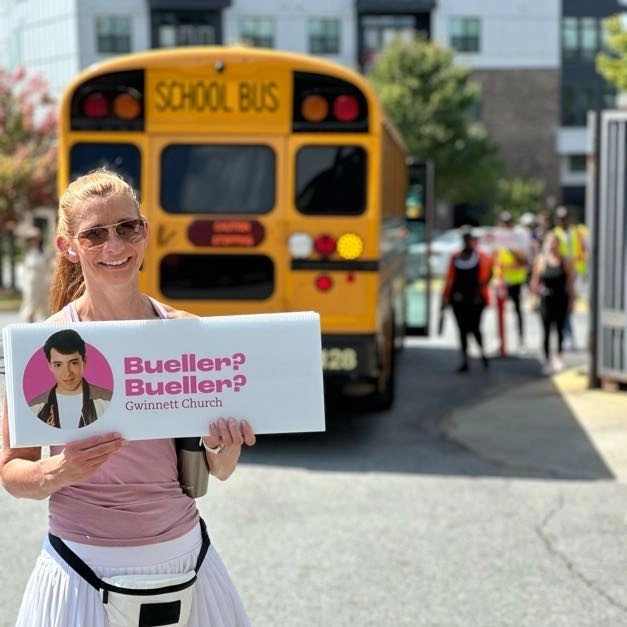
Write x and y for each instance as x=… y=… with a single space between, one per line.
x=72 y=401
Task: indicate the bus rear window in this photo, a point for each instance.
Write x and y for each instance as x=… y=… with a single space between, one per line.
x=209 y=179
x=331 y=180
x=124 y=159
x=216 y=277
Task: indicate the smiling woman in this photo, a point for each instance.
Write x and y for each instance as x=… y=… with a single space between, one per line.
x=105 y=492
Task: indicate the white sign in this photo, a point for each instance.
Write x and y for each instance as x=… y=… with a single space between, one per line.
x=163 y=378
x=500 y=237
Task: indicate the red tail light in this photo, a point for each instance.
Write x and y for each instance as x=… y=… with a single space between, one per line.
x=324 y=282
x=95 y=106
x=324 y=245
x=346 y=108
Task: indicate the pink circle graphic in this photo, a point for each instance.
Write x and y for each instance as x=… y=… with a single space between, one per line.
x=38 y=378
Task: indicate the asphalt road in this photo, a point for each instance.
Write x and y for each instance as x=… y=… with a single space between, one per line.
x=383 y=520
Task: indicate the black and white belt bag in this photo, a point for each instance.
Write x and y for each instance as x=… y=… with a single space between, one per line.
x=141 y=600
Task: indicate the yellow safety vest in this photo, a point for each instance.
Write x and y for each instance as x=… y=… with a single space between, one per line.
x=510 y=268
x=574 y=246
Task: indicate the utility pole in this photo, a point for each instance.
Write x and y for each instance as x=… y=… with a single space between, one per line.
x=593 y=254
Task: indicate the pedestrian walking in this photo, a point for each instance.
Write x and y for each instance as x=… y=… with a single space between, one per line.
x=466 y=291
x=117 y=510
x=510 y=266
x=35 y=277
x=573 y=244
x=553 y=281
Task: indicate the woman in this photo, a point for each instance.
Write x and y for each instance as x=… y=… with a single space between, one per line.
x=466 y=290
x=553 y=280
x=117 y=504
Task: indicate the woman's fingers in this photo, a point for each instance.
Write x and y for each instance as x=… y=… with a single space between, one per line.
x=83 y=457
x=230 y=432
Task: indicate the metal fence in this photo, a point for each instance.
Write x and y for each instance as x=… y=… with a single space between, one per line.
x=611 y=257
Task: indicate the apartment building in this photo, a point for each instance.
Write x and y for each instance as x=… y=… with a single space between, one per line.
x=534 y=59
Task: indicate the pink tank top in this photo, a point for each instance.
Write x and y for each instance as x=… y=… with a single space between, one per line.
x=133 y=499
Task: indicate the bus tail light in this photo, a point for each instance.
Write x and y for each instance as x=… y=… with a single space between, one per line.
x=345 y=108
x=95 y=105
x=324 y=282
x=127 y=106
x=350 y=246
x=325 y=245
x=300 y=245
x=323 y=104
x=314 y=108
x=112 y=102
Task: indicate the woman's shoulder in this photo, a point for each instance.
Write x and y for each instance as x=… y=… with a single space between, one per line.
x=58 y=316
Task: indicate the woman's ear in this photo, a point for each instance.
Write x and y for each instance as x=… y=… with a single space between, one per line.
x=66 y=249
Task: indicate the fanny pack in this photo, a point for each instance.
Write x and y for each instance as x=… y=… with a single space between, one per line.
x=141 y=600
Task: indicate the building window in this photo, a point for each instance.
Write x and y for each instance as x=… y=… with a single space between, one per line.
x=582 y=38
x=378 y=31
x=577 y=100
x=257 y=31
x=465 y=34
x=185 y=28
x=324 y=36
x=113 y=34
x=576 y=163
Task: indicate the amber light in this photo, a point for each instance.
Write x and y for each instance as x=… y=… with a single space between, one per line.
x=324 y=282
x=126 y=106
x=324 y=245
x=314 y=108
x=350 y=246
x=346 y=108
x=95 y=105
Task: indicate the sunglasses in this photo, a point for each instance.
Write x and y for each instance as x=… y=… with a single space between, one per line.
x=130 y=231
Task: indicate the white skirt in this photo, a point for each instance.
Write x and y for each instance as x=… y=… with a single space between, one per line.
x=56 y=596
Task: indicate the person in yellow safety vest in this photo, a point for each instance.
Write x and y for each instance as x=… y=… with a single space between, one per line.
x=572 y=239
x=511 y=267
x=573 y=244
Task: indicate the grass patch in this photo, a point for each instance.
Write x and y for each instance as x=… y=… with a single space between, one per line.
x=10 y=300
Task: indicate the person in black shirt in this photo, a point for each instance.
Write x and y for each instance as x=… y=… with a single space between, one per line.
x=553 y=279
x=466 y=290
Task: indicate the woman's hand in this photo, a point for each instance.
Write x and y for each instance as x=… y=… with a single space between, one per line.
x=25 y=474
x=227 y=433
x=231 y=434
x=82 y=458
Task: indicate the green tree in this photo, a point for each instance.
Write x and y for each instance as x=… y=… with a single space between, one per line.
x=429 y=98
x=613 y=66
x=517 y=195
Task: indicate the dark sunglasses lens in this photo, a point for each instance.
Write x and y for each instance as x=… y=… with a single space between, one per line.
x=131 y=230
x=93 y=237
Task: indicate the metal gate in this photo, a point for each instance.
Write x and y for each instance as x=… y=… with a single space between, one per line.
x=611 y=257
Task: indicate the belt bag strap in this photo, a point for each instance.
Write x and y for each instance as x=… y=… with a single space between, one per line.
x=90 y=576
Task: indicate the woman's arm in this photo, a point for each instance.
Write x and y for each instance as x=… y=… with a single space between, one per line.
x=24 y=473
x=536 y=272
x=232 y=434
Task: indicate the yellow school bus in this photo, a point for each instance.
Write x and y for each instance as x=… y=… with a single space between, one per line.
x=271 y=181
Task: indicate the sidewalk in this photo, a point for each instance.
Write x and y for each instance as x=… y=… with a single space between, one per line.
x=555 y=425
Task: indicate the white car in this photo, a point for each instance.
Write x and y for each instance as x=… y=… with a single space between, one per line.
x=440 y=251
